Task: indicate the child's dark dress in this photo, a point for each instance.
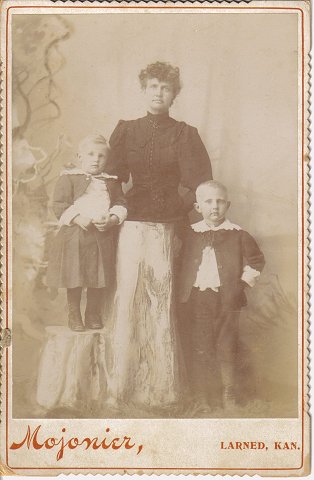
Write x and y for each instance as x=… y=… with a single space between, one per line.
x=80 y=258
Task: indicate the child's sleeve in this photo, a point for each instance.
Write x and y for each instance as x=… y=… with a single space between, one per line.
x=118 y=203
x=62 y=196
x=254 y=259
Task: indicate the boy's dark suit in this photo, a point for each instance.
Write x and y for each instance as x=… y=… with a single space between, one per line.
x=215 y=315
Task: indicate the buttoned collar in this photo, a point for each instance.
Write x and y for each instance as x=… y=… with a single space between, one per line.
x=202 y=226
x=79 y=171
x=158 y=118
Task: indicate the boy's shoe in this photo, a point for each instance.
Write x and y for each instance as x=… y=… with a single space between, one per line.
x=229 y=399
x=93 y=321
x=75 y=321
x=199 y=408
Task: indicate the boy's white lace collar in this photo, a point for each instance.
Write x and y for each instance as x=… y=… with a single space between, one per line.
x=79 y=171
x=202 y=226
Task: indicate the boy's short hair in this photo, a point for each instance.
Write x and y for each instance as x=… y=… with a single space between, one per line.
x=94 y=139
x=210 y=184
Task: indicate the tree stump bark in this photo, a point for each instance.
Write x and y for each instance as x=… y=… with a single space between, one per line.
x=72 y=369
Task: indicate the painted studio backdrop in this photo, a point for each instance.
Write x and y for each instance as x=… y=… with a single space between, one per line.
x=78 y=74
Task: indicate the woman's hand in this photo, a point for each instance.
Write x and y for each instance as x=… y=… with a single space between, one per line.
x=106 y=223
x=81 y=221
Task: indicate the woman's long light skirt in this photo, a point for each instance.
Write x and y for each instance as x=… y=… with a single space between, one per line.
x=145 y=366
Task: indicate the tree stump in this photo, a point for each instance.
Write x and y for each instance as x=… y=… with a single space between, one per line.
x=72 y=369
x=144 y=346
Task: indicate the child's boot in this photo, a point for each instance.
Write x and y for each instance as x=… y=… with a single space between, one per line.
x=93 y=310
x=229 y=391
x=74 y=313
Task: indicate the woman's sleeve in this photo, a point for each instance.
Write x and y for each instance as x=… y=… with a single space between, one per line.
x=62 y=196
x=117 y=159
x=195 y=166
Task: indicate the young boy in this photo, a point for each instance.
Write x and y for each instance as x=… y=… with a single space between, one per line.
x=88 y=203
x=220 y=260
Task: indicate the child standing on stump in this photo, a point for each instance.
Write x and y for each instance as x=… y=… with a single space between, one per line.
x=89 y=203
x=220 y=260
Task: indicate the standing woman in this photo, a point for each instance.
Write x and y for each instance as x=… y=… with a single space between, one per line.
x=160 y=154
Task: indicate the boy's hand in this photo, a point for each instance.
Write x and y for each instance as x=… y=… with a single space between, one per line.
x=81 y=221
x=113 y=220
x=103 y=223
x=106 y=222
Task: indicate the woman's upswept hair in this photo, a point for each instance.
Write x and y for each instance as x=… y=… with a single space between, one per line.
x=164 y=72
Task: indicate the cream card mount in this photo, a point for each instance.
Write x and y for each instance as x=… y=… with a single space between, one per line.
x=148 y=325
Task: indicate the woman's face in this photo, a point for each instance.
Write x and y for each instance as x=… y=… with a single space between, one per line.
x=159 y=96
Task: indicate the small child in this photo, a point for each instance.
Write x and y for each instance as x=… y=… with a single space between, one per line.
x=219 y=261
x=88 y=203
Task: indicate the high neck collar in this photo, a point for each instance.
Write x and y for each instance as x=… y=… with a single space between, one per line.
x=158 y=118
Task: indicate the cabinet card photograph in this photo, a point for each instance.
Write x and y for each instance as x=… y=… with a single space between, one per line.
x=155 y=173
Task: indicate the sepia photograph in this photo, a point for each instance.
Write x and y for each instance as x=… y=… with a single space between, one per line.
x=155 y=219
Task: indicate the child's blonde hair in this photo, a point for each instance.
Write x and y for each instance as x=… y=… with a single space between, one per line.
x=94 y=139
x=210 y=184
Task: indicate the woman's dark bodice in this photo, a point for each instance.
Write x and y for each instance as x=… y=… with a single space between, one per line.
x=160 y=153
